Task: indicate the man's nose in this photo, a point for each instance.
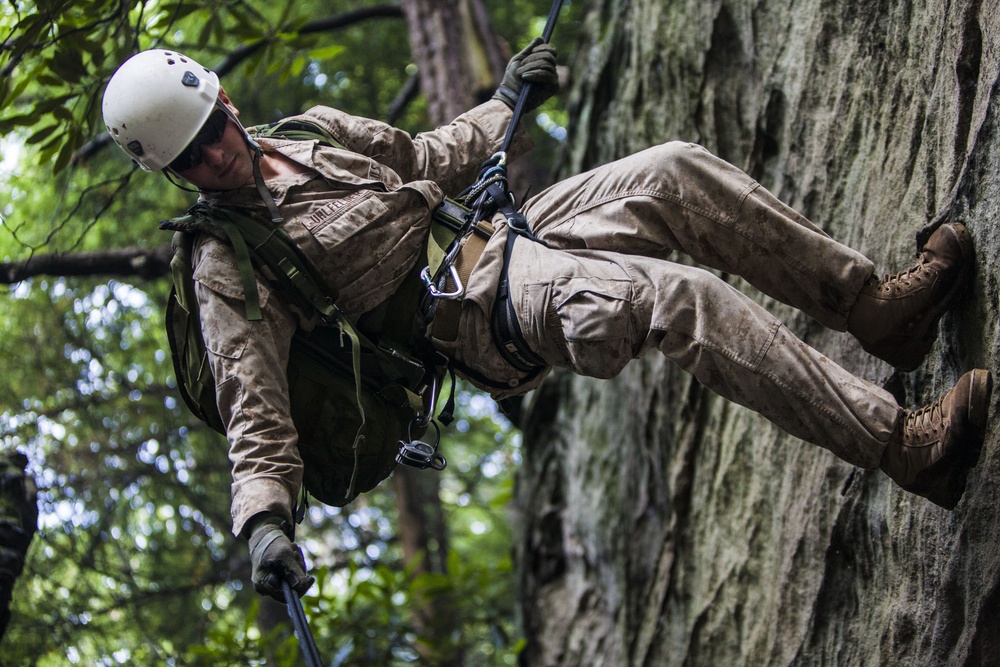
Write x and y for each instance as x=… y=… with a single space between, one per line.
x=213 y=154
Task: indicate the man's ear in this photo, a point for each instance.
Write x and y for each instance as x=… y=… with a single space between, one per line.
x=228 y=102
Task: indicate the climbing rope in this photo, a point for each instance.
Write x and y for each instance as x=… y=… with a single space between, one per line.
x=306 y=642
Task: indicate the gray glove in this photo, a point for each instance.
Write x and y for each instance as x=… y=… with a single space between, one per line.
x=274 y=558
x=536 y=65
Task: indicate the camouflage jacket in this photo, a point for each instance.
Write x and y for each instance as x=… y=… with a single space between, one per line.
x=362 y=216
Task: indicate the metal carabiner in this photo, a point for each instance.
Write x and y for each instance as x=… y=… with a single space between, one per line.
x=430 y=407
x=436 y=293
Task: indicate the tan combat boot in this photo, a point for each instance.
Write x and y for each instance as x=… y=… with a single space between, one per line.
x=896 y=318
x=933 y=448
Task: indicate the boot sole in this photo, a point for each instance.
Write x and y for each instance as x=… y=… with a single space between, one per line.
x=982 y=389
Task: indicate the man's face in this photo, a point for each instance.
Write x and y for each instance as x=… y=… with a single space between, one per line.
x=220 y=155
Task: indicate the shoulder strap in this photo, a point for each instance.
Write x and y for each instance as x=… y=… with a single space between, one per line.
x=296 y=128
x=194 y=376
x=256 y=240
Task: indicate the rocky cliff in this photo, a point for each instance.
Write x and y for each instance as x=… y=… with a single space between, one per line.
x=660 y=525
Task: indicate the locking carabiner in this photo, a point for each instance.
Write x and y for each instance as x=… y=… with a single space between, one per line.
x=435 y=292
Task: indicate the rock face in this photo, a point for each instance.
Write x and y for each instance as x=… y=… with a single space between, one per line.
x=661 y=525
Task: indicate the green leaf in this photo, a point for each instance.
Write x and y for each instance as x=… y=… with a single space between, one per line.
x=175 y=11
x=31 y=28
x=41 y=135
x=50 y=80
x=7 y=125
x=204 y=37
x=16 y=91
x=64 y=156
x=67 y=64
x=62 y=113
x=326 y=52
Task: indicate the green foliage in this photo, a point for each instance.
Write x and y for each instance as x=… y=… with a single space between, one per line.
x=134 y=562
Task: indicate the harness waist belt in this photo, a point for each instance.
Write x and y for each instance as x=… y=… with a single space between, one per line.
x=444 y=326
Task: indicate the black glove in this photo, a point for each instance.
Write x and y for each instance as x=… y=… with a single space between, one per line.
x=536 y=65
x=274 y=558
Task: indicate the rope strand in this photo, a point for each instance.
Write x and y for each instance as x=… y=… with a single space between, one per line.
x=306 y=642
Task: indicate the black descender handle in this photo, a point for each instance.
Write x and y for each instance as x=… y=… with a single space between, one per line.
x=522 y=98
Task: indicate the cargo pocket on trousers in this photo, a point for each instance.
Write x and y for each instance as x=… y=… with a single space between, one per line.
x=594 y=318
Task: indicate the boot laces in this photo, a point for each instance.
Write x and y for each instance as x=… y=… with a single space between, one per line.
x=906 y=277
x=928 y=419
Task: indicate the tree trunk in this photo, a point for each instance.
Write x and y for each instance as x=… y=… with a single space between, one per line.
x=423 y=534
x=660 y=525
x=18 y=523
x=457 y=54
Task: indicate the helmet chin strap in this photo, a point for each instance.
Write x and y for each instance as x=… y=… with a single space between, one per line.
x=258 y=180
x=170 y=176
x=256 y=152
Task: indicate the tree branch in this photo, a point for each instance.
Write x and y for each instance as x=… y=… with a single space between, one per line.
x=230 y=62
x=328 y=24
x=409 y=92
x=144 y=263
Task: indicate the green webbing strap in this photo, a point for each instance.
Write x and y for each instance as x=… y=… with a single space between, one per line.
x=346 y=328
x=180 y=270
x=274 y=249
x=296 y=130
x=449 y=220
x=438 y=243
x=308 y=288
x=272 y=246
x=251 y=297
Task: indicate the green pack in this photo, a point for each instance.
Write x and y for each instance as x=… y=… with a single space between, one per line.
x=357 y=391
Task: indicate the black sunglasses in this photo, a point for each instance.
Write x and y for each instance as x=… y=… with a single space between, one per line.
x=210 y=133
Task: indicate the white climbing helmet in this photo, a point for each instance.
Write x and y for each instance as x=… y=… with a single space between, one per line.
x=155 y=104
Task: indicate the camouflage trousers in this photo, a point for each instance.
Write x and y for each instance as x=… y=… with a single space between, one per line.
x=604 y=291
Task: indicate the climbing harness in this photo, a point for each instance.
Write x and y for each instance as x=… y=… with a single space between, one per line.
x=393 y=383
x=481 y=201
